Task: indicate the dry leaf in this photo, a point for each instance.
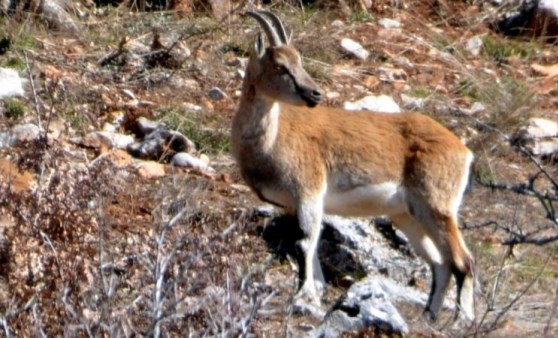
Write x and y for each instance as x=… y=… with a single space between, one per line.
x=549 y=71
x=547 y=85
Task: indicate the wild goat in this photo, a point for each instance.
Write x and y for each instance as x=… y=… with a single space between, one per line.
x=313 y=159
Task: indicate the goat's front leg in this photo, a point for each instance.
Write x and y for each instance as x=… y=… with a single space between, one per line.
x=311 y=280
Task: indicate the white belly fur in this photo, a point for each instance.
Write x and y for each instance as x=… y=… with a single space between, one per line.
x=368 y=200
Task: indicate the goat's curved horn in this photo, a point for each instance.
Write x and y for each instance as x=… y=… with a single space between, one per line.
x=279 y=27
x=274 y=40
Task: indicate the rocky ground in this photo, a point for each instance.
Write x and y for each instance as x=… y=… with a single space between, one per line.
x=123 y=214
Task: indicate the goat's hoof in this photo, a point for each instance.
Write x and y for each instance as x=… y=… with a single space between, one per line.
x=429 y=315
x=308 y=296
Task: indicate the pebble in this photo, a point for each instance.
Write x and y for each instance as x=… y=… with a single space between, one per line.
x=190 y=161
x=354 y=48
x=216 y=94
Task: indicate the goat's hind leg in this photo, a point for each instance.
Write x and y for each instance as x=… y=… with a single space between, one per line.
x=445 y=234
x=425 y=247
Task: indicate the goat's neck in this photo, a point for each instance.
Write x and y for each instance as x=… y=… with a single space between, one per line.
x=257 y=121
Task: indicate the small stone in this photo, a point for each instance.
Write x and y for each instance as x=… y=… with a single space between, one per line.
x=354 y=48
x=129 y=94
x=161 y=143
x=204 y=158
x=150 y=169
x=332 y=95
x=389 y=23
x=381 y=104
x=216 y=94
x=412 y=103
x=178 y=82
x=190 y=107
x=536 y=128
x=337 y=23
x=474 y=45
x=10 y=83
x=19 y=134
x=544 y=147
x=238 y=62
x=24 y=133
x=390 y=74
x=189 y=161
x=476 y=108
x=146 y=126
x=104 y=140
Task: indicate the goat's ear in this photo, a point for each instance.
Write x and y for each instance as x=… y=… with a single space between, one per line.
x=258 y=48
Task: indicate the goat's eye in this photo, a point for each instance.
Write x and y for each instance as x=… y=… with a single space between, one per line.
x=279 y=68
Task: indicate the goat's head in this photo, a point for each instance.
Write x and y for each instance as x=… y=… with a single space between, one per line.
x=276 y=71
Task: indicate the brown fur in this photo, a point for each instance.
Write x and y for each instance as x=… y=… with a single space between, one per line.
x=303 y=158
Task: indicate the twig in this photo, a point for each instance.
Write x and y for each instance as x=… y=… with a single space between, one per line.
x=551 y=316
x=519 y=147
x=34 y=90
x=506 y=308
x=38 y=321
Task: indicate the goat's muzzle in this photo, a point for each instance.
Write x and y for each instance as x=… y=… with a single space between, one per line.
x=311 y=96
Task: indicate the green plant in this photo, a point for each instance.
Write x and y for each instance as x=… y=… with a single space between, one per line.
x=442 y=43
x=500 y=50
x=359 y=16
x=484 y=174
x=14 y=62
x=421 y=92
x=14 y=108
x=467 y=87
x=507 y=99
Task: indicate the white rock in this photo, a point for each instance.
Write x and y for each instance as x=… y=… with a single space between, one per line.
x=474 y=45
x=367 y=303
x=332 y=95
x=337 y=23
x=389 y=23
x=536 y=128
x=550 y=7
x=380 y=104
x=412 y=103
x=476 y=108
x=186 y=160
x=100 y=139
x=129 y=94
x=18 y=134
x=354 y=48
x=10 y=83
x=544 y=147
x=191 y=107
